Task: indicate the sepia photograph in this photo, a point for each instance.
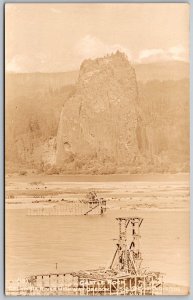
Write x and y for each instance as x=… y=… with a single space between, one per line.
x=97 y=149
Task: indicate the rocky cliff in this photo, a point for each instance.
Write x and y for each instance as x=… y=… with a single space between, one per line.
x=98 y=124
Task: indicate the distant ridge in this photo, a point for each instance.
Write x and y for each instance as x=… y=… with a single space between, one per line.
x=171 y=70
x=45 y=79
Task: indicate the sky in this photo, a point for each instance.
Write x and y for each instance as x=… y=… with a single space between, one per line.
x=58 y=37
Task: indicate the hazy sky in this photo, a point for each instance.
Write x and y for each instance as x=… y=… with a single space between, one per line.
x=57 y=37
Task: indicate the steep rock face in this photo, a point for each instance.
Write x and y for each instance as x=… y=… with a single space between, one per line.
x=98 y=124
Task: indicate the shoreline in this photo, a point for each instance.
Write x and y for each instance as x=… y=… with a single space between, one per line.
x=154 y=177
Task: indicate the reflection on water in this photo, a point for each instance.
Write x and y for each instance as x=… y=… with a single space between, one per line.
x=35 y=244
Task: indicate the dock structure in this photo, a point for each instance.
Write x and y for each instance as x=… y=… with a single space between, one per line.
x=124 y=275
x=92 y=205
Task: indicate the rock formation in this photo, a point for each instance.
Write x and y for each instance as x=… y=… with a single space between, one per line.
x=98 y=124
